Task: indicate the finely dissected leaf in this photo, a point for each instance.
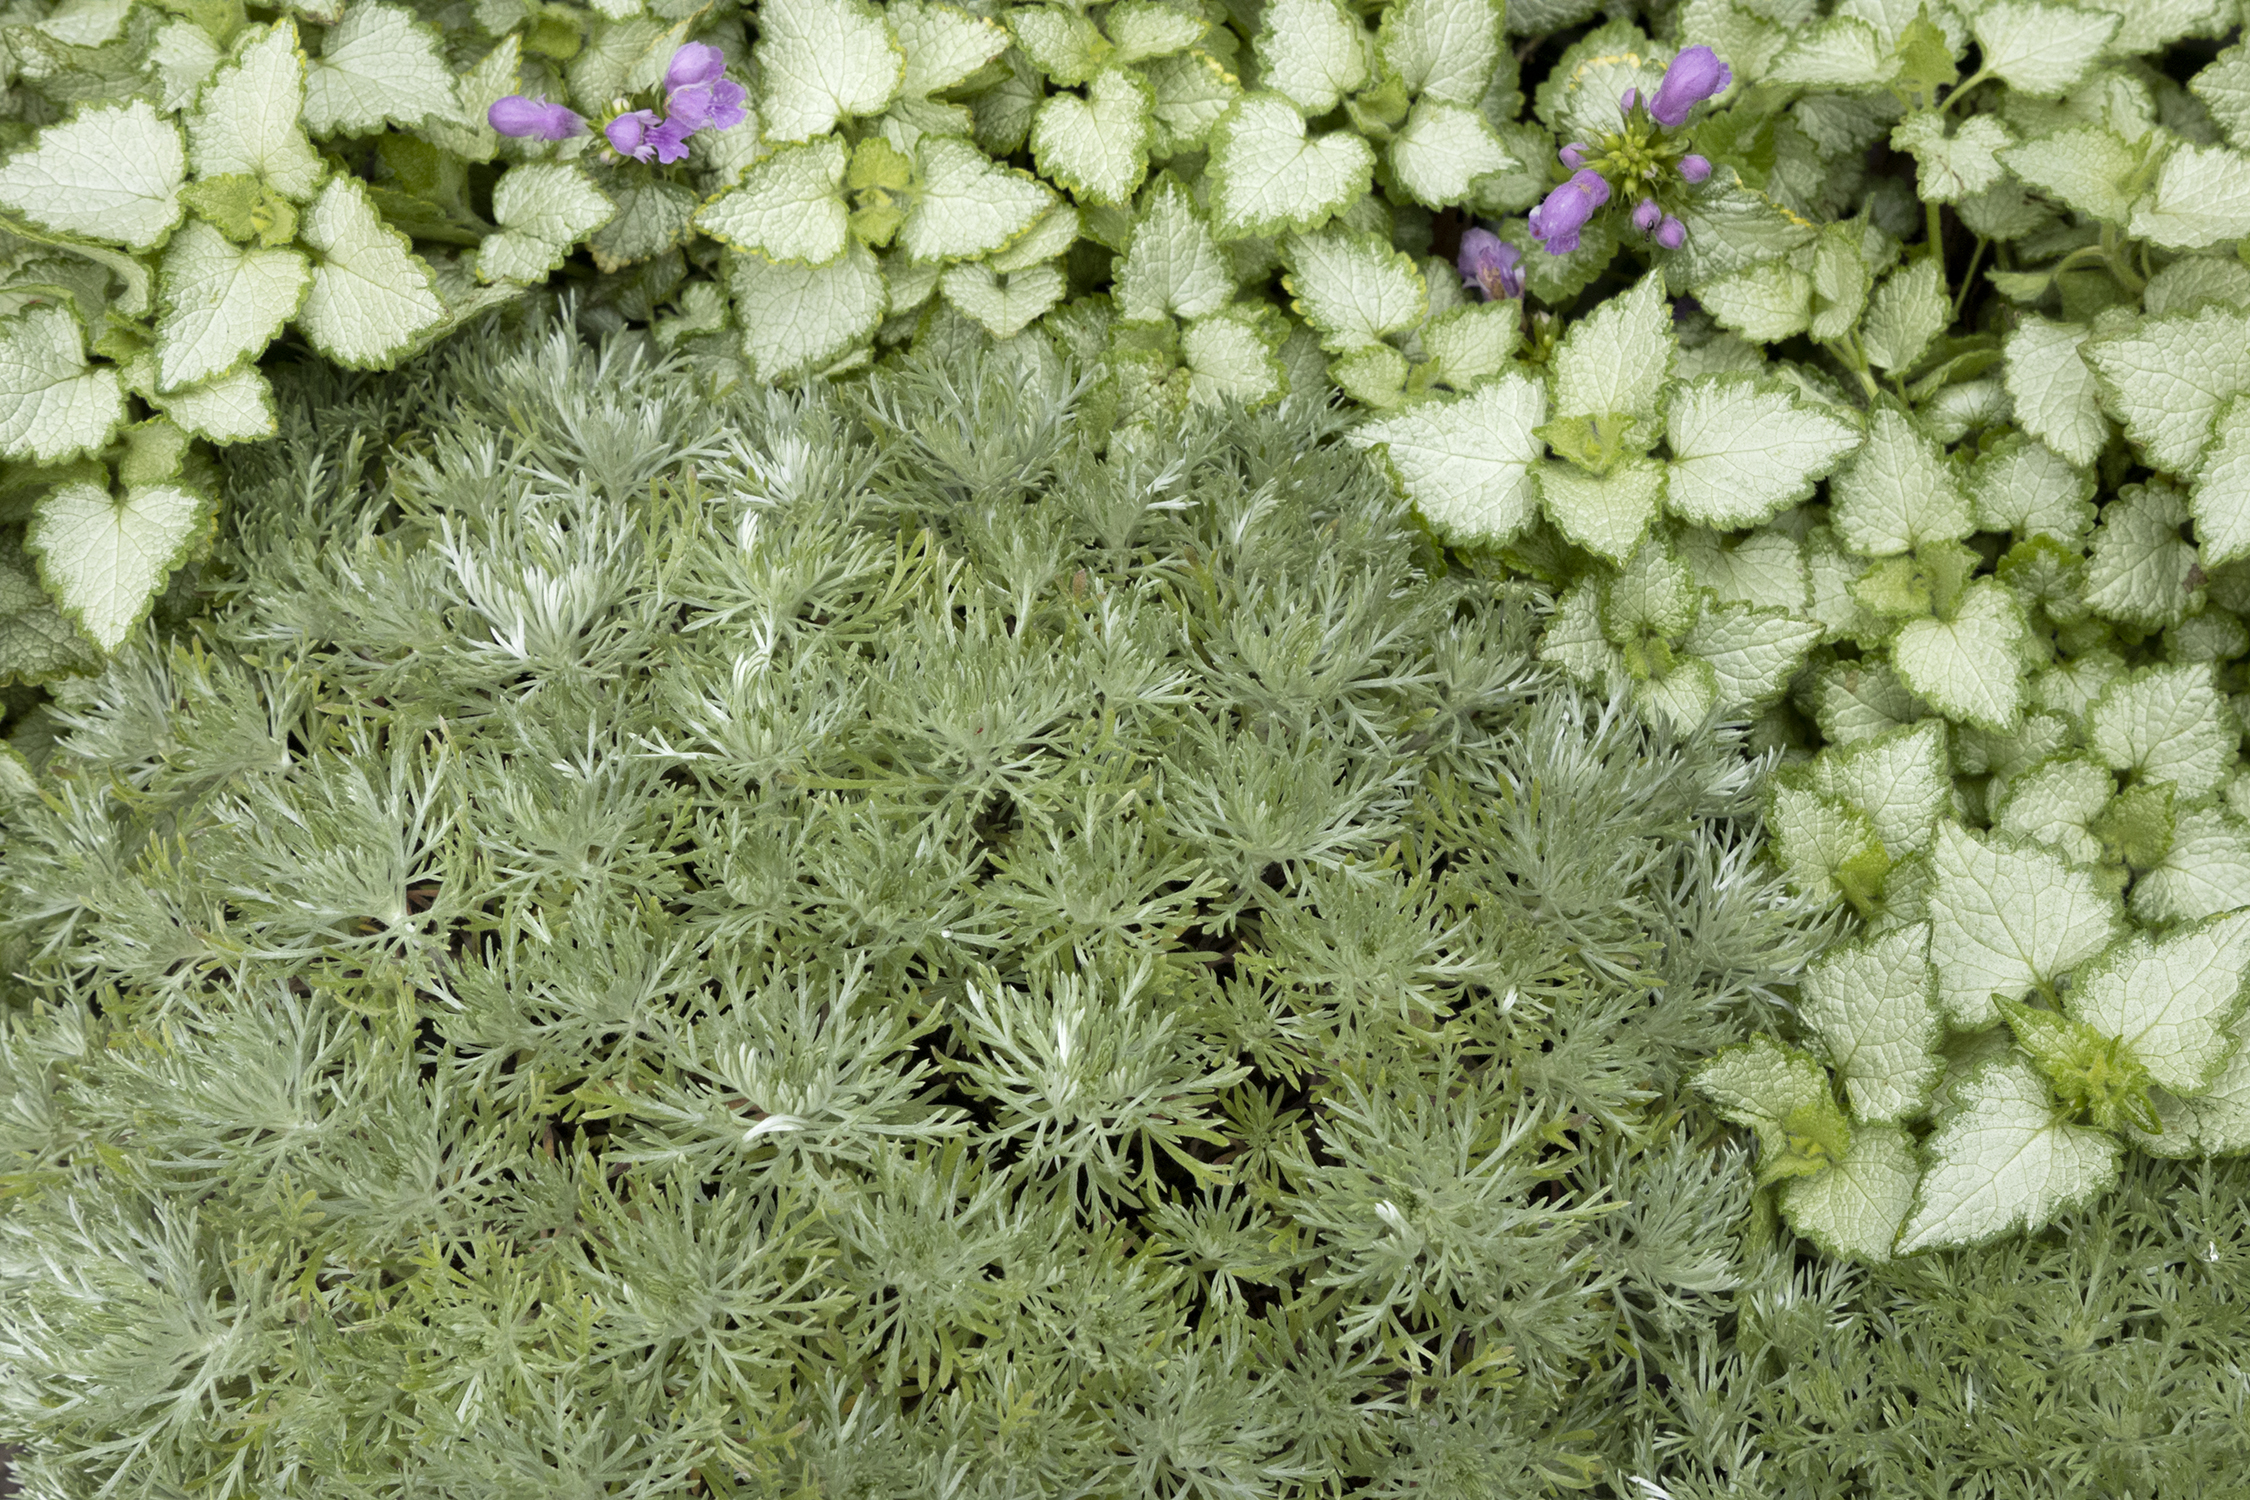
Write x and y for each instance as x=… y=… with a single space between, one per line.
x=1874 y=1004
x=1443 y=50
x=1966 y=666
x=2006 y=916
x=1753 y=652
x=1907 y=311
x=1311 y=52
x=943 y=44
x=2003 y=1161
x=1442 y=150
x=1097 y=147
x=2166 y=724
x=1957 y=166
x=1172 y=266
x=2087 y=167
x=2042 y=49
x=1742 y=450
x=113 y=172
x=2202 y=196
x=377 y=65
x=821 y=61
x=2173 y=1001
x=1783 y=1096
x=968 y=204
x=222 y=301
x=543 y=208
x=1230 y=357
x=1466 y=463
x=796 y=318
x=2221 y=498
x=1267 y=176
x=1606 y=514
x=2168 y=378
x=104 y=558
x=1898 y=491
x=1005 y=305
x=1855 y=1208
x=1354 y=288
x=2021 y=485
x=1901 y=779
x=370 y=295
x=248 y=119
x=53 y=406
x=788 y=207
x=1614 y=361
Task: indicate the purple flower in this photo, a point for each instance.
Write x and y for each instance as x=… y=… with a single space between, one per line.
x=1671 y=234
x=1627 y=100
x=1695 y=168
x=670 y=140
x=633 y=134
x=716 y=106
x=695 y=63
x=1573 y=155
x=1556 y=222
x=533 y=118
x=1645 y=215
x=1491 y=264
x=1695 y=75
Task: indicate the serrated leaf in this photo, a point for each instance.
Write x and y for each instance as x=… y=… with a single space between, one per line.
x=968 y=204
x=1004 y=305
x=1841 y=280
x=1907 y=311
x=1966 y=666
x=1606 y=514
x=2215 y=1122
x=1056 y=231
x=1856 y=1208
x=1575 y=642
x=796 y=318
x=1830 y=851
x=1311 y=52
x=1442 y=149
x=1172 y=266
x=113 y=172
x=543 y=208
x=789 y=206
x=1229 y=357
x=2053 y=389
x=1145 y=29
x=2006 y=916
x=53 y=406
x=1783 y=1096
x=2088 y=167
x=2205 y=872
x=2041 y=49
x=247 y=122
x=1465 y=464
x=1060 y=41
x=2168 y=377
x=221 y=302
x=2202 y=196
x=377 y=65
x=821 y=61
x=1765 y=303
x=1268 y=177
x=1874 y=1004
x=2054 y=802
x=1354 y=288
x=1470 y=344
x=2004 y=1162
x=182 y=57
x=1841 y=53
x=1957 y=166
x=1443 y=50
x=2166 y=723
x=943 y=44
x=1898 y=491
x=2142 y=571
x=104 y=559
x=1614 y=360
x=2224 y=88
x=1097 y=147
x=1765 y=569
x=1191 y=93
x=1744 y=451
x=1901 y=779
x=2172 y=1000
x=237 y=407
x=1753 y=652
x=468 y=133
x=1681 y=697
x=370 y=296
x=2221 y=498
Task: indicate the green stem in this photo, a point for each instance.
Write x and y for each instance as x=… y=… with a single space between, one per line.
x=1969 y=277
x=2119 y=256
x=1961 y=90
x=1934 y=229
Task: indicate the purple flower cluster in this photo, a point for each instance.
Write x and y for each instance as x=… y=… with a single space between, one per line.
x=1639 y=157
x=697 y=96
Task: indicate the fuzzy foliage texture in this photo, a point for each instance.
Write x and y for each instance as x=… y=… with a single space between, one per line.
x=855 y=944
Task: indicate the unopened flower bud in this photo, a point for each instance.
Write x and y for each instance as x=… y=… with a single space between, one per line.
x=1671 y=234
x=1695 y=168
x=1646 y=215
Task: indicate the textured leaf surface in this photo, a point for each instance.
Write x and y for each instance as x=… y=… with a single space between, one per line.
x=1096 y=146
x=113 y=172
x=1172 y=266
x=543 y=208
x=789 y=206
x=1311 y=52
x=1606 y=514
x=2166 y=723
x=1354 y=288
x=52 y=405
x=1444 y=148
x=2055 y=395
x=797 y=317
x=370 y=295
x=1614 y=360
x=1444 y=50
x=378 y=65
x=247 y=122
x=1753 y=652
x=2202 y=196
x=1465 y=464
x=1856 y=1208
x=968 y=203
x=2003 y=1162
x=1267 y=176
x=1874 y=1004
x=2168 y=378
x=2173 y=1000
x=820 y=61
x=1898 y=491
x=222 y=301
x=2006 y=916
x=2042 y=49
x=1966 y=667
x=1741 y=452
x=104 y=558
